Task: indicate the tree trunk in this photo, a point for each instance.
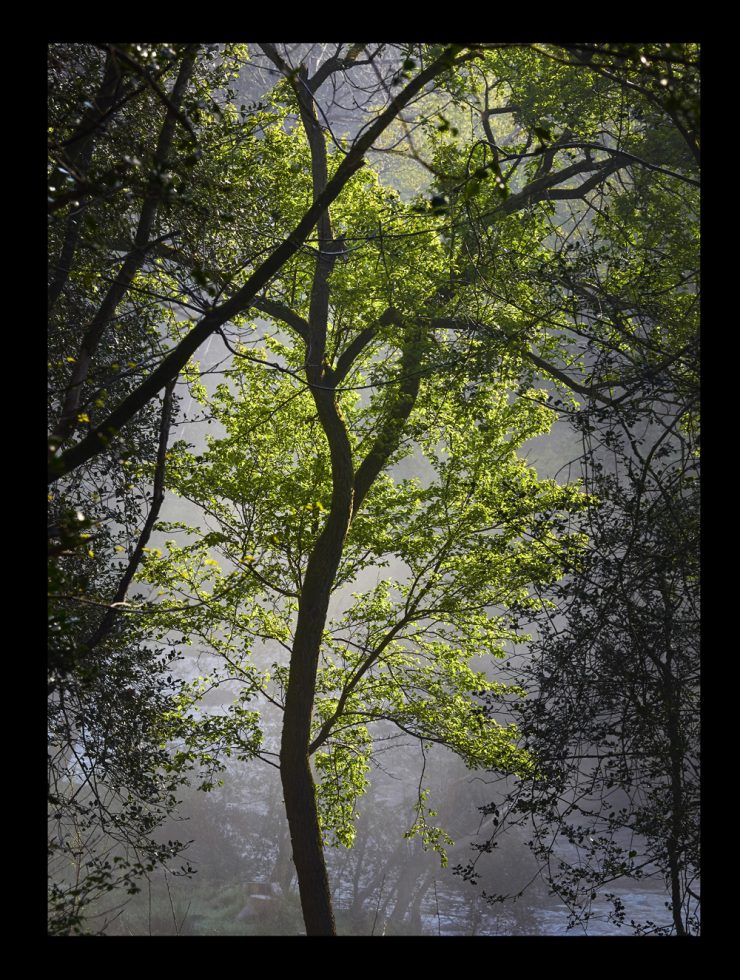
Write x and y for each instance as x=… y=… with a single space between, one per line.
x=295 y=771
x=672 y=701
x=348 y=491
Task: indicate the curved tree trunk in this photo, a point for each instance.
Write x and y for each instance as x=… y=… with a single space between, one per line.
x=295 y=771
x=348 y=491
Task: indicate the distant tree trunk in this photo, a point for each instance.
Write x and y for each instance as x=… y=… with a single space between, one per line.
x=283 y=870
x=672 y=700
x=356 y=908
x=413 y=884
x=415 y=921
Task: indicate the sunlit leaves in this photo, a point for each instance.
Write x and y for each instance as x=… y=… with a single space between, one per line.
x=342 y=779
x=493 y=273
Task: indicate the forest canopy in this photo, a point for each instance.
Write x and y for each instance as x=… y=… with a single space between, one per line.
x=309 y=305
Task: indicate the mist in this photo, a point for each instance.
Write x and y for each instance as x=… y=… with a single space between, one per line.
x=427 y=462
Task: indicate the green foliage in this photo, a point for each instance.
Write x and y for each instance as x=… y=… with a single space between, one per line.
x=432 y=838
x=545 y=265
x=473 y=538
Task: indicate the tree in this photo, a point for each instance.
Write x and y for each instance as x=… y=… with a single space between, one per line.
x=317 y=311
x=297 y=498
x=112 y=782
x=612 y=714
x=401 y=327
x=117 y=192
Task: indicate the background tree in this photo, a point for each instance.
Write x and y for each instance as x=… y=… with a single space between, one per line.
x=109 y=782
x=613 y=707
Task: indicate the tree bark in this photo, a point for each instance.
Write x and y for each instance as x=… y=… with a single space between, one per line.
x=295 y=771
x=672 y=701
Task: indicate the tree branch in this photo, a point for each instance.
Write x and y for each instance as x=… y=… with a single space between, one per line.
x=281 y=312
x=350 y=354
x=99 y=438
x=171 y=103
x=389 y=436
x=158 y=494
x=68 y=419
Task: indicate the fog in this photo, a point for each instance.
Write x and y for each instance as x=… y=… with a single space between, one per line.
x=440 y=848
x=243 y=881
